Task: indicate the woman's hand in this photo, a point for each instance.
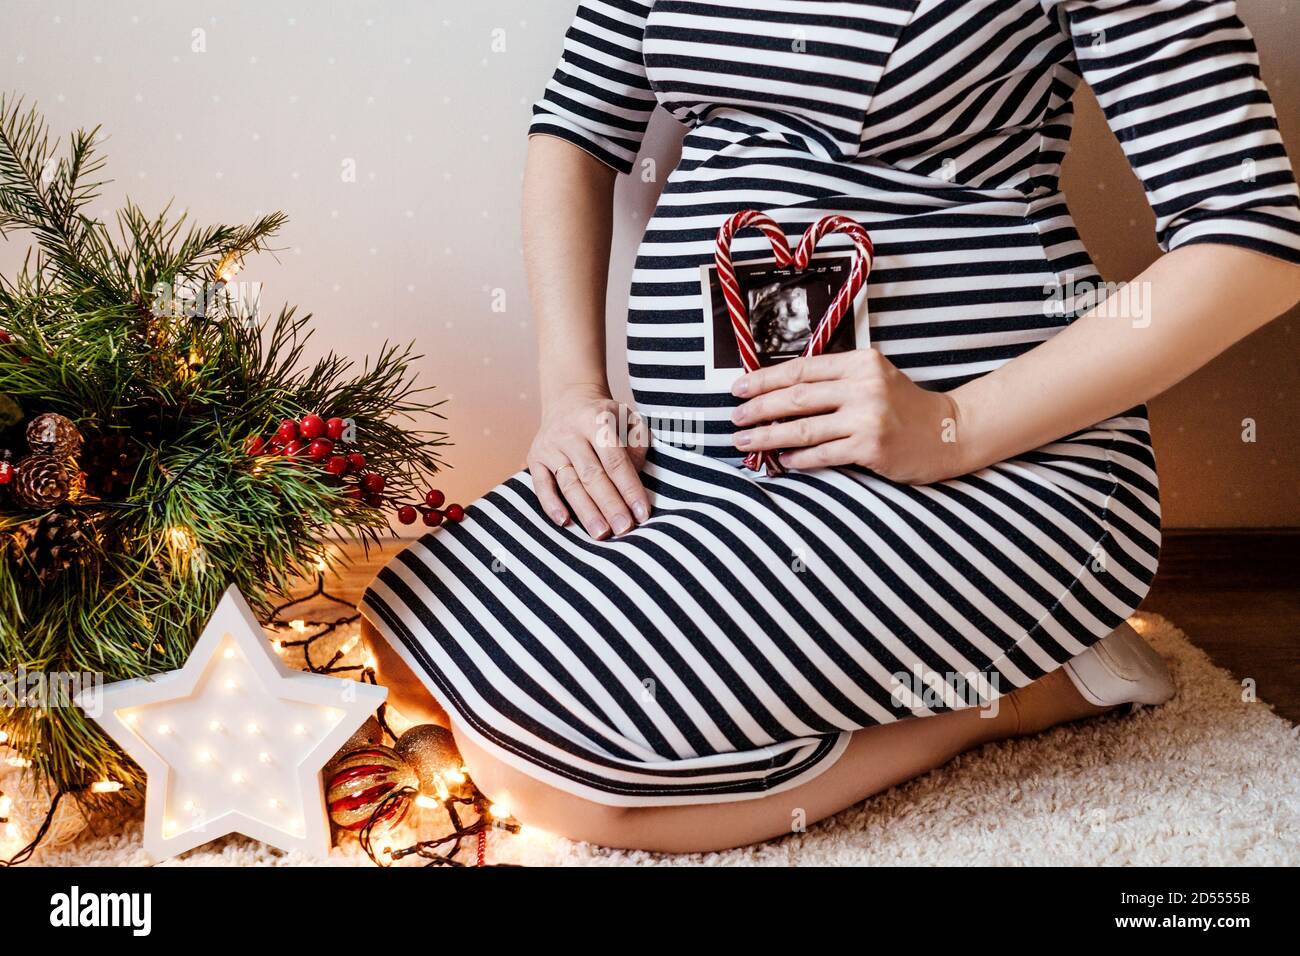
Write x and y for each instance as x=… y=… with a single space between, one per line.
x=850 y=408
x=586 y=461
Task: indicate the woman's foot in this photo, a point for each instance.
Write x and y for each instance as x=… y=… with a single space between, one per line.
x=1119 y=669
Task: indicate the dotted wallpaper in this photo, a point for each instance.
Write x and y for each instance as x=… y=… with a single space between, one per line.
x=393 y=135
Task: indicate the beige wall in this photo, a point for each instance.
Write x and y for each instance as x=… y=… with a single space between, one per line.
x=258 y=104
x=1208 y=475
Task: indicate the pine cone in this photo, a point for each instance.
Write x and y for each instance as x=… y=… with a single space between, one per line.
x=41 y=481
x=53 y=434
x=110 y=463
x=50 y=544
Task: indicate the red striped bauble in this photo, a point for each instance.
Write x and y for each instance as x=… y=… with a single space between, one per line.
x=361 y=781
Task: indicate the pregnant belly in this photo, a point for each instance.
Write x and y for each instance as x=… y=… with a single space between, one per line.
x=952 y=295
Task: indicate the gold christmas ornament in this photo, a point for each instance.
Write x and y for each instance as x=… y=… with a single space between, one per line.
x=24 y=803
x=41 y=481
x=53 y=434
x=369 y=734
x=431 y=752
x=361 y=781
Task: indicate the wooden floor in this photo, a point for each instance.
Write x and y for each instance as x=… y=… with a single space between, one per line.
x=1235 y=594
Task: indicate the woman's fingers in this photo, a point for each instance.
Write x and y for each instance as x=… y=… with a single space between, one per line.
x=548 y=493
x=815 y=368
x=829 y=455
x=799 y=433
x=805 y=398
x=622 y=471
x=601 y=489
x=575 y=493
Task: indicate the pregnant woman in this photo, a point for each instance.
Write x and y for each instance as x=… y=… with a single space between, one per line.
x=640 y=643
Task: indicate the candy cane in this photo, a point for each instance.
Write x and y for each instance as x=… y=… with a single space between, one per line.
x=839 y=307
x=736 y=307
x=738 y=310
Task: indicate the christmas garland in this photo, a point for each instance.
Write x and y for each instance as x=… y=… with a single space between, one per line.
x=160 y=440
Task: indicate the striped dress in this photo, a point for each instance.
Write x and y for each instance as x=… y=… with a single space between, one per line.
x=728 y=647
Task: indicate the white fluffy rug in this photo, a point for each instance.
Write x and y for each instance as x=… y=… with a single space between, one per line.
x=1209 y=778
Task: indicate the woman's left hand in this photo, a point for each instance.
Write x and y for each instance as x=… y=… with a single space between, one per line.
x=850 y=408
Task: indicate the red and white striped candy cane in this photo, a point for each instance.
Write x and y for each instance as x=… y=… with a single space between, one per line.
x=738 y=310
x=839 y=307
x=736 y=305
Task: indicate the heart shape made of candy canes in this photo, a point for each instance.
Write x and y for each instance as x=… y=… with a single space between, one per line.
x=799 y=260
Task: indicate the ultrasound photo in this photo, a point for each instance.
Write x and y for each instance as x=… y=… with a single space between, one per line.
x=784 y=308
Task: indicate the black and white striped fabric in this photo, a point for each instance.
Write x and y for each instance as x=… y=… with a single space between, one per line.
x=727 y=648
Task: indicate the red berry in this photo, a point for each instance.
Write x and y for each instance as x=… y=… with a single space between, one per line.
x=372 y=499
x=434 y=498
x=255 y=445
x=311 y=426
x=354 y=493
x=6 y=472
x=406 y=514
x=287 y=431
x=319 y=449
x=373 y=482
x=335 y=428
x=356 y=461
x=455 y=513
x=294 y=447
x=5 y=337
x=337 y=465
x=433 y=518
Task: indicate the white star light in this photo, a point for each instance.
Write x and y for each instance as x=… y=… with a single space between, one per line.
x=235 y=740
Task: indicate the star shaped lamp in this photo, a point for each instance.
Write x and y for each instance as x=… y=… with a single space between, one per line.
x=235 y=740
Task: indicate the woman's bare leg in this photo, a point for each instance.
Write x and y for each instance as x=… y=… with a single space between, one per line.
x=876 y=759
x=406 y=692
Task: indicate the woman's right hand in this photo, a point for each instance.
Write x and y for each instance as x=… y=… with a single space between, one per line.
x=586 y=462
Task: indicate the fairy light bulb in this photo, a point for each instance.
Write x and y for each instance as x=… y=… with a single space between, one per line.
x=237 y=778
x=426 y=802
x=182 y=539
x=252 y=728
x=6 y=805
x=499 y=811
x=298 y=626
x=350 y=645
x=229 y=654
x=205 y=756
x=232 y=684
x=165 y=729
x=4 y=737
x=12 y=832
x=102 y=786
x=214 y=726
x=299 y=729
x=264 y=757
x=275 y=803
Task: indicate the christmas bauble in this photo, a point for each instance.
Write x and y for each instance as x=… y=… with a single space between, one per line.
x=41 y=481
x=369 y=734
x=53 y=434
x=363 y=780
x=431 y=752
x=26 y=808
